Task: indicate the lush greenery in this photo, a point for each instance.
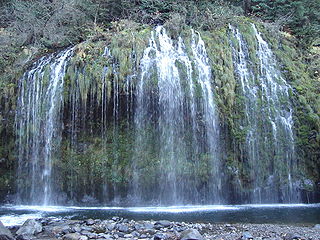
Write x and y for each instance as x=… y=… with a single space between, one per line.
x=30 y=29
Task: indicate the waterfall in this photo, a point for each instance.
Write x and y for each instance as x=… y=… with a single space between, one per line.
x=39 y=125
x=182 y=126
x=138 y=122
x=269 y=143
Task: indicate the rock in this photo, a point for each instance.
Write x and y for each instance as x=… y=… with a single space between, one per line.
x=135 y=234
x=246 y=236
x=85 y=228
x=72 y=236
x=128 y=236
x=164 y=223
x=25 y=237
x=115 y=219
x=160 y=236
x=99 y=228
x=83 y=238
x=191 y=234
x=111 y=226
x=317 y=226
x=123 y=228
x=293 y=236
x=30 y=227
x=5 y=233
x=5 y=237
x=90 y=222
x=61 y=229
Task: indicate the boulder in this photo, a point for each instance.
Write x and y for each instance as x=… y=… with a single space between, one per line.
x=5 y=233
x=191 y=234
x=30 y=227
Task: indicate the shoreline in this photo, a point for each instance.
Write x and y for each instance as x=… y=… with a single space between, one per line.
x=122 y=228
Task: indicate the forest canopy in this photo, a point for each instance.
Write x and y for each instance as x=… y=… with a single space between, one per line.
x=54 y=23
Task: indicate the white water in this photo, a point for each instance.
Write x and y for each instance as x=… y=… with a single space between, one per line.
x=268 y=121
x=166 y=103
x=38 y=123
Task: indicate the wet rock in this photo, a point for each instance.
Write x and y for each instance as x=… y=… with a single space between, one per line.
x=246 y=236
x=30 y=227
x=191 y=234
x=5 y=233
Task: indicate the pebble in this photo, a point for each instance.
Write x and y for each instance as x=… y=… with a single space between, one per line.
x=124 y=229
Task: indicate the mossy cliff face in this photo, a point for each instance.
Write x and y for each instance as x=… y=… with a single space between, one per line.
x=95 y=159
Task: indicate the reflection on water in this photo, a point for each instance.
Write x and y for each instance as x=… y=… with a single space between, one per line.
x=253 y=213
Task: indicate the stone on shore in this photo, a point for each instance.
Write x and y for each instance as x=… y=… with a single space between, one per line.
x=191 y=234
x=29 y=228
x=5 y=233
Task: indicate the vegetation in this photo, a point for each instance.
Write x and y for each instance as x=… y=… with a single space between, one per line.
x=30 y=29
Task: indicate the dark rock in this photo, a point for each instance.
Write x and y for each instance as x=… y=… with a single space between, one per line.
x=30 y=227
x=5 y=233
x=191 y=234
x=246 y=236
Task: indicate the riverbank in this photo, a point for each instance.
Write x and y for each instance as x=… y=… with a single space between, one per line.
x=121 y=228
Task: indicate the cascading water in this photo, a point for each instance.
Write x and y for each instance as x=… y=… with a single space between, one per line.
x=38 y=123
x=183 y=126
x=139 y=125
x=269 y=144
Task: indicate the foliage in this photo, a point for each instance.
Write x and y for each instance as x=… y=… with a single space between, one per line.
x=301 y=17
